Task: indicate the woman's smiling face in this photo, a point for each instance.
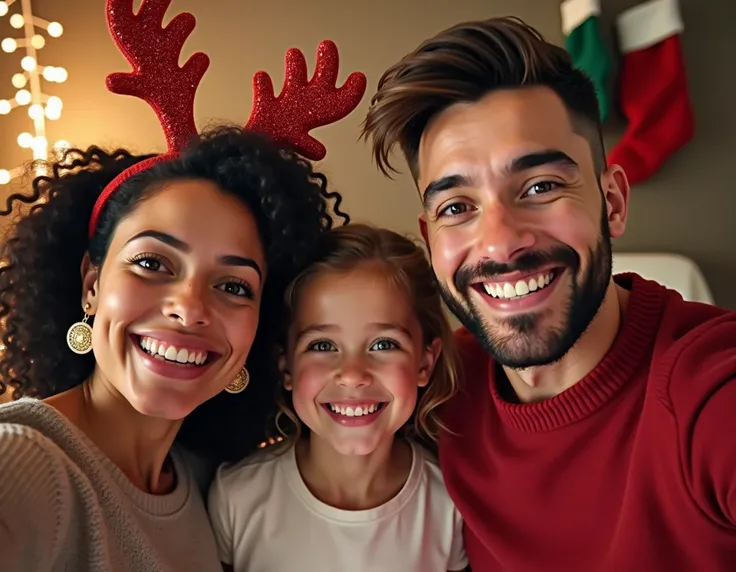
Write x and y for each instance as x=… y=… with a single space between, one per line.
x=177 y=299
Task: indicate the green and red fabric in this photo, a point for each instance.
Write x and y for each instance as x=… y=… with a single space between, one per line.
x=653 y=92
x=584 y=43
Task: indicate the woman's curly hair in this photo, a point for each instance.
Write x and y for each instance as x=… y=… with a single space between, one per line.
x=41 y=284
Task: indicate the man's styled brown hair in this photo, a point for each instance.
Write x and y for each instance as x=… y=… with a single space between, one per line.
x=463 y=64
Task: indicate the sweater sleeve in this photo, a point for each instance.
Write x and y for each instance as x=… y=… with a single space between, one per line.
x=702 y=390
x=34 y=500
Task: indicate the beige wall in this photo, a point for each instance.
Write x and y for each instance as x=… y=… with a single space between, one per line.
x=687 y=208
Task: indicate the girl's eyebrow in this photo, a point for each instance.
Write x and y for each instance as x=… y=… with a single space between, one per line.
x=391 y=326
x=315 y=328
x=325 y=328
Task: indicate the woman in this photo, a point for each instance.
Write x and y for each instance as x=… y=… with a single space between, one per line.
x=175 y=271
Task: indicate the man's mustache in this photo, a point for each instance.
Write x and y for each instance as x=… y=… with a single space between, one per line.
x=486 y=269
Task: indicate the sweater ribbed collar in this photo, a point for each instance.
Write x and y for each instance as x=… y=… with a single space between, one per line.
x=638 y=331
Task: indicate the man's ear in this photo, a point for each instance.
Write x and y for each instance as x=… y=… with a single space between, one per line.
x=90 y=285
x=616 y=193
x=423 y=228
x=429 y=360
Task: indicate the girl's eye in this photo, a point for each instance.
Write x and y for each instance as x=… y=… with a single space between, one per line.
x=322 y=346
x=541 y=188
x=239 y=289
x=454 y=209
x=383 y=345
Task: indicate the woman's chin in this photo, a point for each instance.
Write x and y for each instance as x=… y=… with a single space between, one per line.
x=163 y=405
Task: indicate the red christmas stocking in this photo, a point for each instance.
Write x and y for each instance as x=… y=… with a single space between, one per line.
x=653 y=91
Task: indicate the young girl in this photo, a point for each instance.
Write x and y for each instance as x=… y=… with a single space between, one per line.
x=368 y=360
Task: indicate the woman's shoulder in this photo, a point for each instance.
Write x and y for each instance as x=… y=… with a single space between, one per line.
x=29 y=455
x=23 y=427
x=35 y=488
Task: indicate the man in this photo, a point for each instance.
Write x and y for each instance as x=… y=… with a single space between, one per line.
x=595 y=429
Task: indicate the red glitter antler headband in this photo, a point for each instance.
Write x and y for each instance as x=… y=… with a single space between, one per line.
x=153 y=52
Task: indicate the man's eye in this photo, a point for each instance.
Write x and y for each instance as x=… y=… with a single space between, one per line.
x=541 y=188
x=454 y=209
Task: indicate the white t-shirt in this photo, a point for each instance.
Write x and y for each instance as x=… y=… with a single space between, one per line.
x=266 y=520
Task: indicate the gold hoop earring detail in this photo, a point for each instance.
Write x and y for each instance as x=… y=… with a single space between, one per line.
x=240 y=382
x=79 y=336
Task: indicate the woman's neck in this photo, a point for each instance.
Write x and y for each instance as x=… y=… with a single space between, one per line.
x=137 y=444
x=354 y=482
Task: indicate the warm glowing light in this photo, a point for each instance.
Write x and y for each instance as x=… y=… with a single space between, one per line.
x=55 y=102
x=39 y=144
x=53 y=113
x=4 y=177
x=17 y=21
x=28 y=63
x=55 y=30
x=38 y=41
x=53 y=74
x=34 y=34
x=25 y=140
x=35 y=111
x=9 y=45
x=23 y=97
x=19 y=81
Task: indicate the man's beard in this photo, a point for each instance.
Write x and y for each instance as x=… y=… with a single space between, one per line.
x=528 y=345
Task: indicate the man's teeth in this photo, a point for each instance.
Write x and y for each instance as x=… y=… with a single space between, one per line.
x=520 y=288
x=163 y=351
x=355 y=411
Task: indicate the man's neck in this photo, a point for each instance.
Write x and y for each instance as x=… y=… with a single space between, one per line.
x=354 y=482
x=137 y=444
x=544 y=382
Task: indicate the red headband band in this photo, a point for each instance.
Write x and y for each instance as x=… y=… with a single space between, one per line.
x=153 y=52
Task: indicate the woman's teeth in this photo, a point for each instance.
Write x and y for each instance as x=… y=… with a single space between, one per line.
x=355 y=411
x=161 y=350
x=521 y=288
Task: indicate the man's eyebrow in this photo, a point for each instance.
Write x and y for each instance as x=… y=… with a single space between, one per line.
x=437 y=186
x=540 y=158
x=516 y=165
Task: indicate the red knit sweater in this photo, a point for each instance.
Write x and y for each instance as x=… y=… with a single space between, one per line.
x=632 y=469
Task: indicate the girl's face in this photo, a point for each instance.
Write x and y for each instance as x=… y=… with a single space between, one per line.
x=176 y=302
x=356 y=359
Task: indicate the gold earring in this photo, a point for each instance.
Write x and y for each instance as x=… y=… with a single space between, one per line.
x=79 y=336
x=240 y=382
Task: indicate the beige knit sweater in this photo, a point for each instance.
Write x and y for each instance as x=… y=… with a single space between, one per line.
x=64 y=506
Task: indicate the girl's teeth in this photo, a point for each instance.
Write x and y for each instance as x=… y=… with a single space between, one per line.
x=356 y=411
x=171 y=353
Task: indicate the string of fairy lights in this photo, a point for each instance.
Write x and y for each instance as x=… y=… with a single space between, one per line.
x=30 y=79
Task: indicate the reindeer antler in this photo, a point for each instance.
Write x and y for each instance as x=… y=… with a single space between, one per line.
x=304 y=104
x=153 y=53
